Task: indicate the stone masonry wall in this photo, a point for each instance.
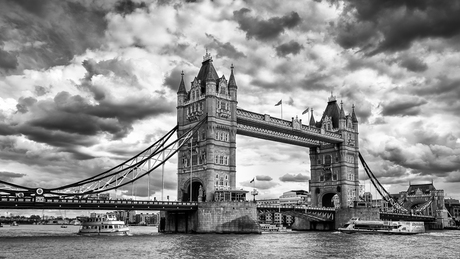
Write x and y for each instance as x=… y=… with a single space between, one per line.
x=227 y=217
x=342 y=216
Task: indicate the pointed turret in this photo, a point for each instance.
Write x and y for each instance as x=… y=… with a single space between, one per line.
x=353 y=115
x=312 y=119
x=182 y=89
x=231 y=81
x=342 y=119
x=332 y=111
x=354 y=120
x=342 y=113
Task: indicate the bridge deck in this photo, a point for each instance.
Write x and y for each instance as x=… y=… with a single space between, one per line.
x=77 y=204
x=405 y=216
x=291 y=132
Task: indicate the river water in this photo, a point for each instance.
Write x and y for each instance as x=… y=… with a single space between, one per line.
x=52 y=241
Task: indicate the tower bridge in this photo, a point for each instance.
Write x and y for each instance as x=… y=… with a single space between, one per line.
x=332 y=140
x=208 y=120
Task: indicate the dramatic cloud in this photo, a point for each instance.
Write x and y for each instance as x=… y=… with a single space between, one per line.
x=263 y=178
x=223 y=49
x=125 y=7
x=414 y=64
x=264 y=30
x=294 y=178
x=388 y=26
x=262 y=185
x=8 y=61
x=8 y=176
x=403 y=107
x=291 y=47
x=42 y=34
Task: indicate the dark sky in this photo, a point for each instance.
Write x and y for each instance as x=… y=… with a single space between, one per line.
x=86 y=84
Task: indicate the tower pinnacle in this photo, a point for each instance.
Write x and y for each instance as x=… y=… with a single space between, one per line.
x=181 y=89
x=231 y=80
x=353 y=115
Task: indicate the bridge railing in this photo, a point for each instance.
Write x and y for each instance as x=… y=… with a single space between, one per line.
x=263 y=206
x=408 y=215
x=281 y=135
x=256 y=117
x=95 y=201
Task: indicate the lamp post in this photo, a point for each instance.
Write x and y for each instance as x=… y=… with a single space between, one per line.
x=254 y=193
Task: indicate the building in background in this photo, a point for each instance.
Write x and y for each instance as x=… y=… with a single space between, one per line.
x=295 y=197
x=453 y=207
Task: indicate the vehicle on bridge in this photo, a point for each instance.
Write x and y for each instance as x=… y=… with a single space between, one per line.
x=355 y=225
x=103 y=224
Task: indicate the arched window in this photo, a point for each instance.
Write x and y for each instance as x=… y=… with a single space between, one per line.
x=328 y=160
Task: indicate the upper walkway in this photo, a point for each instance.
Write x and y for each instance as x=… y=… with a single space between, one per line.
x=291 y=132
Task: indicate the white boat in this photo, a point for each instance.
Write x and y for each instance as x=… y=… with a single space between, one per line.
x=269 y=228
x=355 y=225
x=103 y=224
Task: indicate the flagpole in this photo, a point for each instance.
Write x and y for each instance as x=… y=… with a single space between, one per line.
x=191 y=166
x=281 y=109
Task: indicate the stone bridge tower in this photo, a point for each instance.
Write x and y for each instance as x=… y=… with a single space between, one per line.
x=211 y=158
x=334 y=167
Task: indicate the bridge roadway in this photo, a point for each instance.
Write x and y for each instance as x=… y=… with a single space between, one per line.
x=309 y=213
x=90 y=204
x=406 y=217
x=291 y=132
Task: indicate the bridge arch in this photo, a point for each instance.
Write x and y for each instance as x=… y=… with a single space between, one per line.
x=198 y=190
x=329 y=199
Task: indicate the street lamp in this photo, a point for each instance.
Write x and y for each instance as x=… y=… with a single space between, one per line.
x=254 y=193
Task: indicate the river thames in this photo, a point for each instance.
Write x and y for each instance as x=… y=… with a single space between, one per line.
x=52 y=241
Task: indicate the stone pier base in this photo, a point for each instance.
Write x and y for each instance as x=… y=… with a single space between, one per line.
x=342 y=216
x=304 y=224
x=213 y=217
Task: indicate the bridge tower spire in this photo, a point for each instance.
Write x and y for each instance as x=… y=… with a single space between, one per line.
x=213 y=158
x=334 y=167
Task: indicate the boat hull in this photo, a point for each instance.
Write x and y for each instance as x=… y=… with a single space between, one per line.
x=105 y=233
x=365 y=231
x=355 y=225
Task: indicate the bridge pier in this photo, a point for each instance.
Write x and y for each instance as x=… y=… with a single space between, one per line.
x=213 y=217
x=305 y=224
x=343 y=215
x=176 y=221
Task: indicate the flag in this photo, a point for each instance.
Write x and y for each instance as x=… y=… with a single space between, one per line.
x=252 y=180
x=279 y=103
x=306 y=110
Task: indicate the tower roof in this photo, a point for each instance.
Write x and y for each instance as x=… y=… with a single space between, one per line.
x=182 y=89
x=332 y=111
x=207 y=71
x=424 y=188
x=231 y=81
